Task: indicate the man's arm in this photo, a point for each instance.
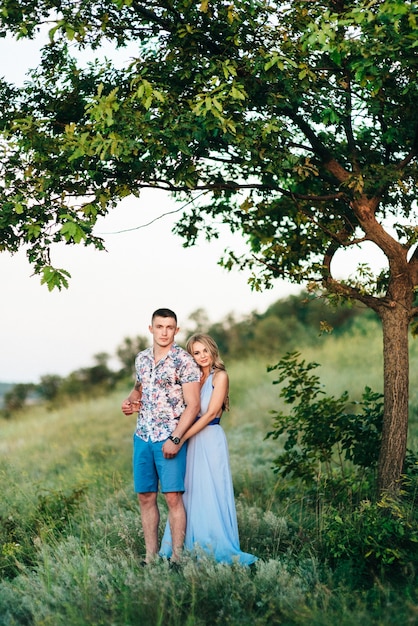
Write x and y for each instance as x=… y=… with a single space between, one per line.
x=191 y=394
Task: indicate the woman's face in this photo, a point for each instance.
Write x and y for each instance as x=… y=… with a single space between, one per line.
x=201 y=354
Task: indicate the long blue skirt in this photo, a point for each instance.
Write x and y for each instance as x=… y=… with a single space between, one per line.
x=209 y=501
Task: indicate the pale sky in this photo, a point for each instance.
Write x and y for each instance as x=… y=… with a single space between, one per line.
x=112 y=294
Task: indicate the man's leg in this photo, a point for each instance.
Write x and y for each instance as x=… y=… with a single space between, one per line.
x=150 y=517
x=146 y=486
x=177 y=520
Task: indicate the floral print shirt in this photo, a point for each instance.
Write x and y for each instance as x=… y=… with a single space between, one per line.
x=162 y=402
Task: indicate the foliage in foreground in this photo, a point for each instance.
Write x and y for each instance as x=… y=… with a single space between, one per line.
x=88 y=574
x=86 y=571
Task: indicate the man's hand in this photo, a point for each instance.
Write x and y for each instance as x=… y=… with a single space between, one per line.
x=130 y=406
x=170 y=449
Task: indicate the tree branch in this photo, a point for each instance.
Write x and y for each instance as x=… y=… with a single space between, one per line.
x=152 y=17
x=350 y=292
x=348 y=126
x=319 y=148
x=233 y=186
x=409 y=157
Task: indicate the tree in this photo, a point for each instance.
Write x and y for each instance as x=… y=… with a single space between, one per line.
x=127 y=352
x=49 y=386
x=293 y=122
x=16 y=398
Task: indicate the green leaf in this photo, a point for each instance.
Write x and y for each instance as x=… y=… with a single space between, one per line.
x=54 y=278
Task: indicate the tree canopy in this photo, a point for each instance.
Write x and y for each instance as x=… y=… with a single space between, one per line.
x=293 y=122
x=297 y=120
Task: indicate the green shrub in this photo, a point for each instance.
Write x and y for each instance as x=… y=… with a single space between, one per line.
x=377 y=539
x=320 y=434
x=21 y=530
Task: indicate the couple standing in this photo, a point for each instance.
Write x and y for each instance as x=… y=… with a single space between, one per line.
x=181 y=395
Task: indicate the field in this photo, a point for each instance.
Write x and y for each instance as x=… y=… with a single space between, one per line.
x=71 y=539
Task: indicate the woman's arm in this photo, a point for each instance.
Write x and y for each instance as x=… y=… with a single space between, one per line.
x=220 y=383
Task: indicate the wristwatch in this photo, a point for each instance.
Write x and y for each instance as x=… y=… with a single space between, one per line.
x=175 y=440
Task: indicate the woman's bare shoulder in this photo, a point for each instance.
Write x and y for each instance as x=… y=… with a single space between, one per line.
x=220 y=375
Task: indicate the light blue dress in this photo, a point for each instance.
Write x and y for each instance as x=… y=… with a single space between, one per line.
x=209 y=496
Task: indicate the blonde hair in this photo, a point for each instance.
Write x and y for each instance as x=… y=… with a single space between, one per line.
x=212 y=346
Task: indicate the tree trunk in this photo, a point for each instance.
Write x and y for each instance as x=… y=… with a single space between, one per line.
x=395 y=322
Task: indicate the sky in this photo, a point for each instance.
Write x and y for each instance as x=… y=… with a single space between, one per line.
x=112 y=294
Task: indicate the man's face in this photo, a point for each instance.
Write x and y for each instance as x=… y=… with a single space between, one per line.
x=164 y=330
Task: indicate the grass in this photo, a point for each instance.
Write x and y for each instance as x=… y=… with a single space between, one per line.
x=71 y=537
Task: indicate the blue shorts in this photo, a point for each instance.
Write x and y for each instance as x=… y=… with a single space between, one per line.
x=150 y=468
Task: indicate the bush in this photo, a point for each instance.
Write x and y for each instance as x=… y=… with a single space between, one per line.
x=377 y=539
x=20 y=530
x=320 y=433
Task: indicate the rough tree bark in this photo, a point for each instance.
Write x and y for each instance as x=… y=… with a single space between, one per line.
x=395 y=323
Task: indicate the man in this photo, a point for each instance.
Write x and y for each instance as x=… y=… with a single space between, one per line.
x=167 y=396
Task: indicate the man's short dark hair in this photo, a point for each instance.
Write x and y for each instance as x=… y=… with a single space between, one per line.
x=164 y=313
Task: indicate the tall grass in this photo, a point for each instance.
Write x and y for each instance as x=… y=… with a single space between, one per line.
x=72 y=542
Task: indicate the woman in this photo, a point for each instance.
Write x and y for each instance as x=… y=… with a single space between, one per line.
x=209 y=496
